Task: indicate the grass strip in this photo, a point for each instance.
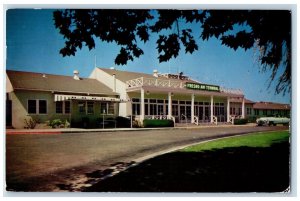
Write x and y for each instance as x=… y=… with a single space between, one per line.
x=261 y=139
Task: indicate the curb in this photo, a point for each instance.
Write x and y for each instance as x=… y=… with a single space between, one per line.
x=11 y=132
x=30 y=132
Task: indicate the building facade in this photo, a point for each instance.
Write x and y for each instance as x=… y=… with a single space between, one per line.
x=44 y=97
x=110 y=93
x=171 y=96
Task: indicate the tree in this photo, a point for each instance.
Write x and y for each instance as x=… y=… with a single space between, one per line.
x=267 y=30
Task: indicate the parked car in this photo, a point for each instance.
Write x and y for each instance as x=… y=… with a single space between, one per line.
x=272 y=121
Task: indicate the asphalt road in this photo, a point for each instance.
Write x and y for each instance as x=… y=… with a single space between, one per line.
x=43 y=162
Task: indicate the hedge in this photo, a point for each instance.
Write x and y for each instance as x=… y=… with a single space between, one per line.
x=251 y=119
x=152 y=123
x=240 y=121
x=123 y=122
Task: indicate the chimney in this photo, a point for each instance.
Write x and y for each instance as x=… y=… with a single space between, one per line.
x=76 y=75
x=155 y=73
x=114 y=84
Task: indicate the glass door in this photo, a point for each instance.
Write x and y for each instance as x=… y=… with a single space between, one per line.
x=207 y=112
x=182 y=115
x=201 y=113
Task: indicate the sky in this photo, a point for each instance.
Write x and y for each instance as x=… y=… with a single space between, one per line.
x=33 y=45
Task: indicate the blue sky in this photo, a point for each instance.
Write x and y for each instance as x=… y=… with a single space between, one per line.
x=33 y=44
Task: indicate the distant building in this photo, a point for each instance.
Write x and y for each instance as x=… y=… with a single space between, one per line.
x=109 y=92
x=271 y=109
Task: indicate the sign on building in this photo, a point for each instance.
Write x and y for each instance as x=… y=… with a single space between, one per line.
x=205 y=87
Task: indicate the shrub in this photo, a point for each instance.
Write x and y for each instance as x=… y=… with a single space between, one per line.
x=85 y=122
x=252 y=119
x=31 y=123
x=152 y=123
x=123 y=122
x=240 y=121
x=55 y=123
x=66 y=124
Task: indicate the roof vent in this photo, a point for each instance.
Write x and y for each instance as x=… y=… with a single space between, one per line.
x=76 y=75
x=155 y=73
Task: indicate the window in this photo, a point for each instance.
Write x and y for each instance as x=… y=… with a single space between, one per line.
x=239 y=111
x=136 y=109
x=42 y=107
x=67 y=107
x=153 y=109
x=111 y=108
x=188 y=111
x=108 y=108
x=160 y=109
x=62 y=107
x=249 y=111
x=264 y=112
x=256 y=112
x=103 y=108
x=81 y=107
x=147 y=109
x=166 y=110
x=31 y=106
x=90 y=107
x=37 y=107
x=136 y=100
x=59 y=107
x=175 y=110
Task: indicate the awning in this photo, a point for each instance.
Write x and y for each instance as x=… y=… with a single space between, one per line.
x=64 y=97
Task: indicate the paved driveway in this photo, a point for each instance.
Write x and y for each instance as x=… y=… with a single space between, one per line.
x=37 y=162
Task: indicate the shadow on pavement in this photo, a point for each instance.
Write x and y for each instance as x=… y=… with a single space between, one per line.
x=242 y=169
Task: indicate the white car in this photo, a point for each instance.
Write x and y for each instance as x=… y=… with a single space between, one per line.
x=272 y=121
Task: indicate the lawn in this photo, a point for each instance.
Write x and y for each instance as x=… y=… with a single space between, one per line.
x=251 y=163
x=263 y=139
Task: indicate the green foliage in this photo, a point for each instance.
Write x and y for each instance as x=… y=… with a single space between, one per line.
x=152 y=123
x=240 y=121
x=55 y=123
x=58 y=123
x=264 y=139
x=267 y=31
x=251 y=119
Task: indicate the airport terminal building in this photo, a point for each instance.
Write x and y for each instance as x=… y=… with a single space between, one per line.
x=171 y=96
x=111 y=92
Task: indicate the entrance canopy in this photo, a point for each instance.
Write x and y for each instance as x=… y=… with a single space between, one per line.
x=64 y=97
